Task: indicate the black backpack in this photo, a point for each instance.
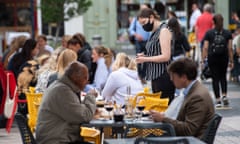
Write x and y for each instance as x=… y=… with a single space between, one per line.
x=219 y=44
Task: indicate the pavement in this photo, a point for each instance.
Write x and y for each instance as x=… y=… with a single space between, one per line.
x=228 y=131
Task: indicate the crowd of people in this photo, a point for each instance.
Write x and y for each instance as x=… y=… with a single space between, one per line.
x=75 y=70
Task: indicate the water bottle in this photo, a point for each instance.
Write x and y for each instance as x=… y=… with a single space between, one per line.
x=128 y=103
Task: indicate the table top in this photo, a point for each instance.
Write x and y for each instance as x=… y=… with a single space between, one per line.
x=111 y=123
x=192 y=140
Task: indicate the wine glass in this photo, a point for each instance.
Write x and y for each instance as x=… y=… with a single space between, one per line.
x=140 y=107
x=109 y=108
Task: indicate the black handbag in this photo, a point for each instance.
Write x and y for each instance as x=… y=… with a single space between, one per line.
x=206 y=73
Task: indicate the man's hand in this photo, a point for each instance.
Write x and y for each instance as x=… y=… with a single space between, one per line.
x=92 y=92
x=156 y=116
x=138 y=37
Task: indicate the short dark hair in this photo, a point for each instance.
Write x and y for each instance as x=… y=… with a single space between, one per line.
x=184 y=66
x=42 y=37
x=147 y=12
x=76 y=39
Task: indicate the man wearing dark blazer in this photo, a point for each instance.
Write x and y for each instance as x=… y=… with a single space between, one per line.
x=197 y=108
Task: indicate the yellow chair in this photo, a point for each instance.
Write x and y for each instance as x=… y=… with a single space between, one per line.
x=33 y=99
x=151 y=101
x=91 y=135
x=156 y=104
x=31 y=89
x=145 y=94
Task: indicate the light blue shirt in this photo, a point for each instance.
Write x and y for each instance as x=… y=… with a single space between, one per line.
x=186 y=90
x=136 y=27
x=101 y=74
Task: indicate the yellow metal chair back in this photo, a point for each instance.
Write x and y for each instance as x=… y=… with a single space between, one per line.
x=91 y=135
x=33 y=101
x=156 y=104
x=151 y=101
x=31 y=89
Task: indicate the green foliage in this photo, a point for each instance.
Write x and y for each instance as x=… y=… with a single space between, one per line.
x=56 y=11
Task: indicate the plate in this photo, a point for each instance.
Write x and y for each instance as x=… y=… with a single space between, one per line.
x=146 y=118
x=101 y=118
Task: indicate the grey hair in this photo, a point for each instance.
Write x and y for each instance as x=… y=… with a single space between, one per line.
x=74 y=69
x=207 y=7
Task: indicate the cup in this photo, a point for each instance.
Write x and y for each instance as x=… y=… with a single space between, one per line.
x=118 y=117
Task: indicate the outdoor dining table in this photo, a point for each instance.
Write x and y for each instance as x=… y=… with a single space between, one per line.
x=112 y=123
x=118 y=126
x=192 y=140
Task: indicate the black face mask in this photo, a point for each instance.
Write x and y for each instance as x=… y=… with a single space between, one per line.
x=148 y=26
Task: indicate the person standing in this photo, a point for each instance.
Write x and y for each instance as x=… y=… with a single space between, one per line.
x=203 y=24
x=62 y=110
x=235 y=72
x=141 y=36
x=158 y=53
x=181 y=45
x=218 y=51
x=194 y=16
x=196 y=109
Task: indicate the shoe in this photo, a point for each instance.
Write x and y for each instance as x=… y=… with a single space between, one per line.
x=225 y=101
x=218 y=104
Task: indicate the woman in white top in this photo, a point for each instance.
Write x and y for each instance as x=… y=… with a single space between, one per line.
x=103 y=58
x=124 y=74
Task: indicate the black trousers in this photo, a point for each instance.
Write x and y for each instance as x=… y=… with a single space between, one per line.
x=218 y=66
x=165 y=85
x=141 y=68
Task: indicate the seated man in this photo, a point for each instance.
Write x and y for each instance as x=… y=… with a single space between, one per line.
x=62 y=111
x=197 y=108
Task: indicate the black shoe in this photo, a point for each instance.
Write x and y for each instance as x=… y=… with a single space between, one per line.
x=225 y=101
x=218 y=104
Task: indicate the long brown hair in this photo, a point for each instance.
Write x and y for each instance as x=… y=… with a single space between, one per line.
x=105 y=53
x=218 y=22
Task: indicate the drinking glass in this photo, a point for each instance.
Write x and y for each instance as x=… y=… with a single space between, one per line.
x=140 y=108
x=109 y=108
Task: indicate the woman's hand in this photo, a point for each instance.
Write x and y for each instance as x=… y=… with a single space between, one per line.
x=231 y=65
x=140 y=58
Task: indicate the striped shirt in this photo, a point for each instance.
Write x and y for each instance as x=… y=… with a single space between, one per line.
x=154 y=70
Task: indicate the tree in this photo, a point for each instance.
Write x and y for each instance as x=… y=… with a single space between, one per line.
x=58 y=11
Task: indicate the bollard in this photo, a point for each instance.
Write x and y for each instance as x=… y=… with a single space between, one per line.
x=96 y=40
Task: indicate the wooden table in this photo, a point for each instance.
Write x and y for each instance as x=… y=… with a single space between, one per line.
x=192 y=140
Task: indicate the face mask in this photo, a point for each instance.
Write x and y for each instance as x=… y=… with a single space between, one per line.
x=148 y=26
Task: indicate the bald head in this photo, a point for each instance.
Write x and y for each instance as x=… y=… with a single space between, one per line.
x=77 y=73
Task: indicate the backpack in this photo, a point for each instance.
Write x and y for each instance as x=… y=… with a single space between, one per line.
x=219 y=44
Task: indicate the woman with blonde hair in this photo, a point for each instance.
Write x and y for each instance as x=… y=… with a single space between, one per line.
x=48 y=68
x=65 y=58
x=124 y=74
